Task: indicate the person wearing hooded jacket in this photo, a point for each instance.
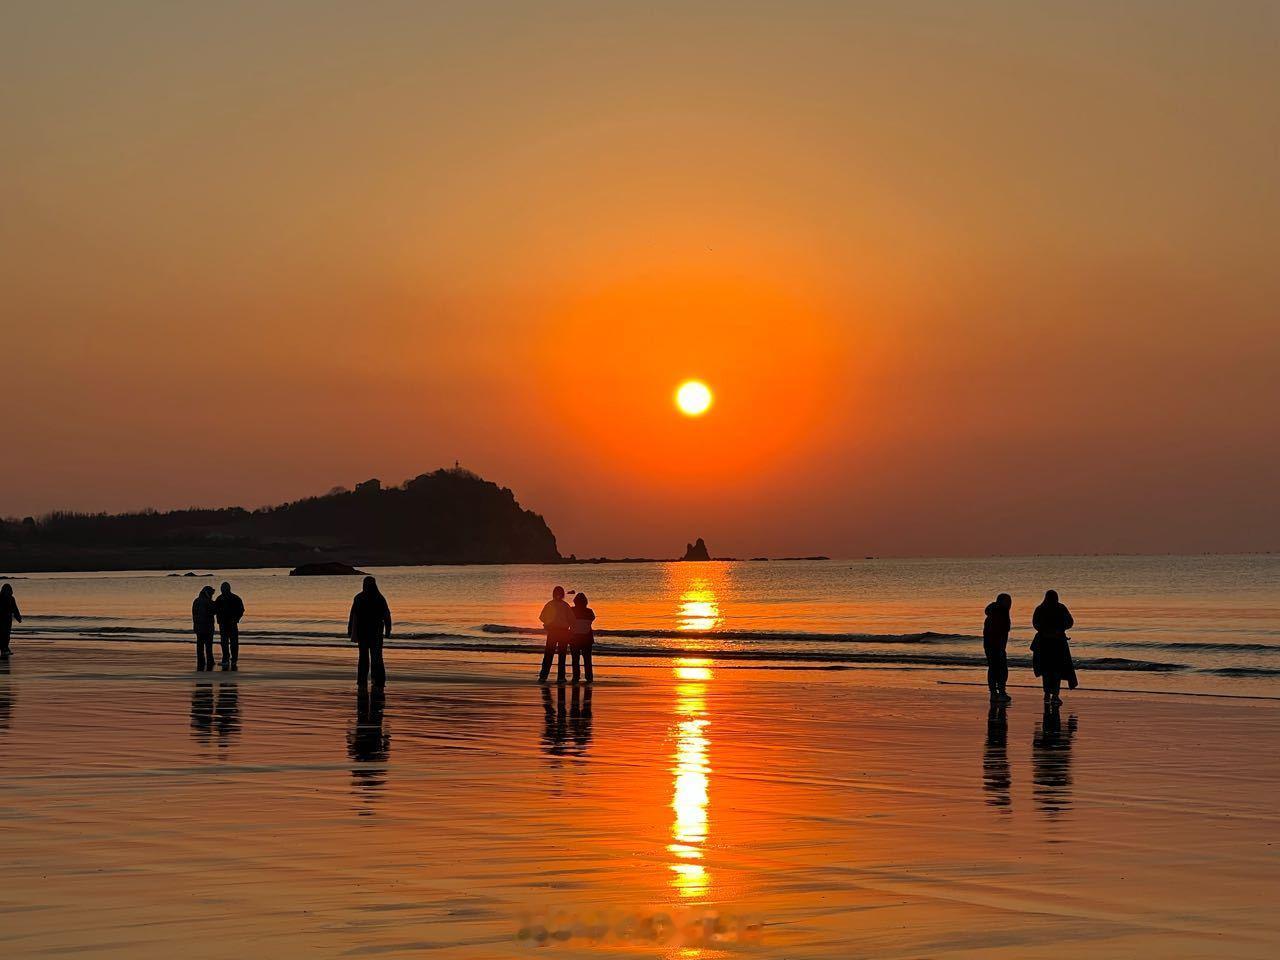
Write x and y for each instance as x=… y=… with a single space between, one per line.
x=8 y=613
x=1051 y=648
x=995 y=642
x=367 y=626
x=202 y=619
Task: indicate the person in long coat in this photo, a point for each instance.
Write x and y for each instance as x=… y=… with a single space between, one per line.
x=9 y=612
x=1051 y=648
x=367 y=626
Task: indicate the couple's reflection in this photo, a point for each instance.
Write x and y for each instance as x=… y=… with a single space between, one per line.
x=1051 y=763
x=215 y=709
x=369 y=745
x=567 y=728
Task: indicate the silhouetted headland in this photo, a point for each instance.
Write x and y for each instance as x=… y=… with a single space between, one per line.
x=328 y=568
x=696 y=550
x=449 y=516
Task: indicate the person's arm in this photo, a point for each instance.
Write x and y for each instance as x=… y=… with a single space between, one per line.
x=195 y=620
x=1035 y=620
x=1068 y=621
x=351 y=622
x=386 y=616
x=17 y=614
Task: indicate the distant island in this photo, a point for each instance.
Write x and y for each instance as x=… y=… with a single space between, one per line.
x=448 y=516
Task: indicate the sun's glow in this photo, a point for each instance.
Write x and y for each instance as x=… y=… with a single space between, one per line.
x=693 y=397
x=692 y=769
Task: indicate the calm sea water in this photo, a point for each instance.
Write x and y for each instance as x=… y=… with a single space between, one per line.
x=1190 y=623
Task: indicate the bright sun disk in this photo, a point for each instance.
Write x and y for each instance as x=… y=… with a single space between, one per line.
x=693 y=397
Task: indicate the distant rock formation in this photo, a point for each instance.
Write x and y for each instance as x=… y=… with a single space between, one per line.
x=696 y=550
x=327 y=568
x=448 y=516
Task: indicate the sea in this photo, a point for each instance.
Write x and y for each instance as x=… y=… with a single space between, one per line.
x=1193 y=624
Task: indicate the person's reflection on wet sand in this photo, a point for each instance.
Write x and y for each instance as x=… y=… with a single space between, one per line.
x=555 y=731
x=369 y=743
x=6 y=696
x=202 y=711
x=997 y=779
x=580 y=718
x=226 y=712
x=1051 y=763
x=567 y=723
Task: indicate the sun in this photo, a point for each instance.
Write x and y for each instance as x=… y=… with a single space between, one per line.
x=693 y=397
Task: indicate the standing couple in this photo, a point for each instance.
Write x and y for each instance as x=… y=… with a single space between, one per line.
x=568 y=630
x=1050 y=650
x=225 y=612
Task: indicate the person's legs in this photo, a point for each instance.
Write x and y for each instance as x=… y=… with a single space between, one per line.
x=547 y=653
x=362 y=665
x=233 y=640
x=586 y=662
x=1001 y=671
x=992 y=684
x=4 y=640
x=577 y=658
x=223 y=644
x=562 y=648
x=199 y=652
x=379 y=668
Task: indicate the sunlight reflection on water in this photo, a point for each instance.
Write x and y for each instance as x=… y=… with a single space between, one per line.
x=692 y=769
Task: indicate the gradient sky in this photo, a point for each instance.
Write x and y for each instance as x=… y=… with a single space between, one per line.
x=966 y=278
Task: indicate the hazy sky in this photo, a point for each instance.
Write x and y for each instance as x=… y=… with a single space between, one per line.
x=966 y=277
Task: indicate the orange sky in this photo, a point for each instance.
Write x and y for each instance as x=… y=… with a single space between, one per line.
x=968 y=278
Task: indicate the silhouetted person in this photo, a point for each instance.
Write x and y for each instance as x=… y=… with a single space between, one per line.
x=997 y=779
x=202 y=619
x=1051 y=762
x=369 y=623
x=995 y=643
x=556 y=618
x=581 y=635
x=228 y=609
x=202 y=710
x=8 y=613
x=1051 y=649
x=368 y=742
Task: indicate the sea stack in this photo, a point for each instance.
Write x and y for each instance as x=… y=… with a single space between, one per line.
x=696 y=550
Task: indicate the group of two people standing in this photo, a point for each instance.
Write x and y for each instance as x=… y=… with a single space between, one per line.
x=1050 y=650
x=569 y=631
x=225 y=611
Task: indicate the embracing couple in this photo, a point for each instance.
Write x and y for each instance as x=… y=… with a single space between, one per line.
x=568 y=631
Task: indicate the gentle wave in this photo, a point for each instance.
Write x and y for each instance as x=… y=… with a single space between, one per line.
x=927 y=636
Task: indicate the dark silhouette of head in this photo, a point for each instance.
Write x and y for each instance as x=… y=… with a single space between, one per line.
x=370 y=586
x=557 y=593
x=1004 y=600
x=6 y=590
x=226 y=587
x=580 y=600
x=206 y=591
x=1051 y=596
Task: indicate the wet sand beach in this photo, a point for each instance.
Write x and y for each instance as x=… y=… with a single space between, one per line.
x=677 y=808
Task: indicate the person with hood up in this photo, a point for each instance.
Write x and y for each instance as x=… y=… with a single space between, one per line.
x=8 y=613
x=1051 y=648
x=367 y=626
x=995 y=642
x=202 y=618
x=228 y=609
x=582 y=635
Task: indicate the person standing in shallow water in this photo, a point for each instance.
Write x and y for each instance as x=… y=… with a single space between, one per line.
x=581 y=635
x=556 y=619
x=368 y=624
x=202 y=618
x=995 y=643
x=228 y=609
x=8 y=613
x=1051 y=648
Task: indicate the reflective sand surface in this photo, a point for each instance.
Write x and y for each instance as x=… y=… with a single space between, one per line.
x=683 y=809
